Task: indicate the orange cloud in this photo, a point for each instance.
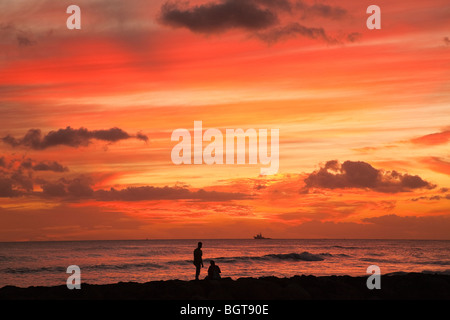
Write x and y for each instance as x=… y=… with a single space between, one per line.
x=433 y=138
x=437 y=164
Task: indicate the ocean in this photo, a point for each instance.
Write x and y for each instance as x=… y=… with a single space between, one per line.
x=25 y=264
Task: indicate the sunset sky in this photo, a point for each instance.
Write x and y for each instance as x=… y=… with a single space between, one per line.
x=87 y=117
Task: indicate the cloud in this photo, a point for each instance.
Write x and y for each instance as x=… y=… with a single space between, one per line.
x=293 y=30
x=389 y=226
x=321 y=10
x=437 y=164
x=447 y=41
x=6 y=188
x=433 y=198
x=64 y=221
x=433 y=138
x=433 y=225
x=269 y=20
x=366 y=150
x=354 y=36
x=78 y=188
x=23 y=38
x=15 y=185
x=361 y=175
x=218 y=17
x=16 y=178
x=69 y=137
x=43 y=166
x=24 y=182
x=54 y=189
x=165 y=193
x=81 y=187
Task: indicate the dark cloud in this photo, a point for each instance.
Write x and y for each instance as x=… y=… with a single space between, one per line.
x=321 y=10
x=22 y=181
x=259 y=17
x=20 y=171
x=54 y=189
x=23 y=38
x=447 y=41
x=24 y=41
x=358 y=174
x=69 y=137
x=433 y=198
x=165 y=193
x=6 y=188
x=354 y=36
x=81 y=188
x=43 y=166
x=283 y=5
x=76 y=188
x=292 y=30
x=218 y=16
x=51 y=166
x=16 y=178
x=15 y=184
x=141 y=136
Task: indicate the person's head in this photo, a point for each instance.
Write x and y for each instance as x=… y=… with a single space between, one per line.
x=212 y=263
x=199 y=244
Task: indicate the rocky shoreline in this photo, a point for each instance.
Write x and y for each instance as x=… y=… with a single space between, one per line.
x=409 y=286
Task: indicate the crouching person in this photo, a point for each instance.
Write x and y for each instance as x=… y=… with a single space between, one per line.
x=213 y=271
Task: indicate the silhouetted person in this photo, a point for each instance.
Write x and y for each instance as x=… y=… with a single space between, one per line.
x=213 y=271
x=198 y=261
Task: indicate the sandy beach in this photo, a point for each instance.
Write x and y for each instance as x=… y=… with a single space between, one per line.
x=410 y=286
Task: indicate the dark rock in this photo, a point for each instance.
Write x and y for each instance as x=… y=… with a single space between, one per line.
x=413 y=286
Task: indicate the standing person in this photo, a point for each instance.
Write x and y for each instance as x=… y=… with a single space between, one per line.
x=198 y=261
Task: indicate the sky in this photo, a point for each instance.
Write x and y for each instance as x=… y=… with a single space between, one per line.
x=87 y=117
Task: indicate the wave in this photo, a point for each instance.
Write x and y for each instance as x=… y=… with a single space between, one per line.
x=347 y=247
x=22 y=270
x=123 y=266
x=396 y=261
x=17 y=258
x=59 y=269
x=304 y=256
x=383 y=260
x=274 y=257
x=436 y=262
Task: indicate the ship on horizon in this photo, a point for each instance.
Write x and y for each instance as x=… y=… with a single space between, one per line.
x=259 y=236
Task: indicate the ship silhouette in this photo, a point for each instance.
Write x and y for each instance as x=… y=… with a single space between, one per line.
x=259 y=236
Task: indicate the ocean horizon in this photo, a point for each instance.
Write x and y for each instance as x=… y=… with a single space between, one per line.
x=44 y=263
